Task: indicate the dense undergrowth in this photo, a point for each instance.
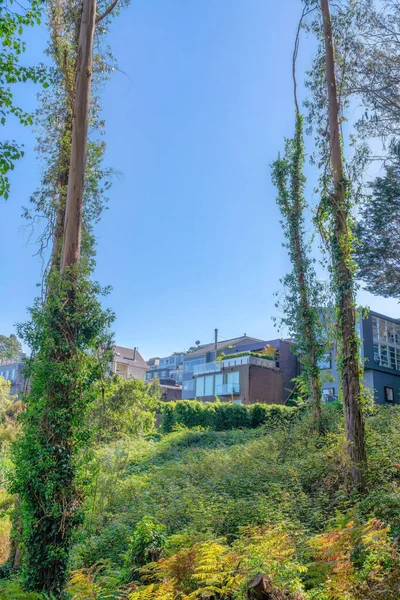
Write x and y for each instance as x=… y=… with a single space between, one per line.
x=199 y=513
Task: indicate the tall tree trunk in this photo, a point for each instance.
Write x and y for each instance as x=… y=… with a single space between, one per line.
x=73 y=210
x=342 y=258
x=289 y=179
x=60 y=217
x=300 y=260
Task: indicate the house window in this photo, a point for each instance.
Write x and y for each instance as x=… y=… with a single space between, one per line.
x=389 y=394
x=208 y=386
x=219 y=380
x=392 y=357
x=233 y=378
x=189 y=365
x=199 y=387
x=327 y=394
x=384 y=356
x=325 y=362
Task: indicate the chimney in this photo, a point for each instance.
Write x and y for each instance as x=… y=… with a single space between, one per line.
x=215 y=339
x=134 y=353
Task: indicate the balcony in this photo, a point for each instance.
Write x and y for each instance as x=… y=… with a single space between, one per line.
x=227 y=389
x=248 y=360
x=205 y=368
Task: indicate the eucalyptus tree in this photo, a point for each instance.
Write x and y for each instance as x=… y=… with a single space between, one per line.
x=303 y=292
x=334 y=217
x=69 y=330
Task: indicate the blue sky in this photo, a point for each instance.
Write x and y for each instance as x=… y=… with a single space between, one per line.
x=194 y=118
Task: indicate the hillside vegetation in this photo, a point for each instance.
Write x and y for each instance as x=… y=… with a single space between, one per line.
x=198 y=513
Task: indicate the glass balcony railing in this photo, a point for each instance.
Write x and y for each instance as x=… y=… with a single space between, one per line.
x=211 y=367
x=227 y=389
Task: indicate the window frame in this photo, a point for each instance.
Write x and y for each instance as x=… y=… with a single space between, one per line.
x=386 y=388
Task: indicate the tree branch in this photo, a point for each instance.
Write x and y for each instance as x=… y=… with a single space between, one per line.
x=107 y=12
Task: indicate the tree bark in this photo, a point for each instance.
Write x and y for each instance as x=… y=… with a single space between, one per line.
x=261 y=588
x=60 y=219
x=73 y=210
x=342 y=257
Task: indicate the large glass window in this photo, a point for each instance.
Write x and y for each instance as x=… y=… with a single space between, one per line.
x=390 y=333
x=233 y=377
x=219 y=380
x=384 y=356
x=384 y=331
x=209 y=386
x=189 y=365
x=392 y=357
x=325 y=362
x=375 y=334
x=199 y=387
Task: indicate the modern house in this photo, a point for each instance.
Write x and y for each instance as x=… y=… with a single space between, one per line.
x=128 y=363
x=232 y=371
x=13 y=371
x=380 y=353
x=169 y=367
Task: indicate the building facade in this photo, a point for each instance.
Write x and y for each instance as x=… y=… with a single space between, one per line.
x=218 y=370
x=128 y=363
x=13 y=371
x=169 y=367
x=380 y=354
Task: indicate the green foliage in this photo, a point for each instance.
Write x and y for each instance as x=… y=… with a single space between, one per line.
x=222 y=416
x=303 y=293
x=124 y=407
x=65 y=335
x=272 y=355
x=13 y=591
x=214 y=570
x=12 y=24
x=199 y=512
x=5 y=397
x=9 y=347
x=147 y=543
x=378 y=254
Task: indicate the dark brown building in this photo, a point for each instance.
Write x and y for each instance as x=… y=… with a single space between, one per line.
x=248 y=379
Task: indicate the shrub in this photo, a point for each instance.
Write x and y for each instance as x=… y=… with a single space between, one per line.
x=223 y=416
x=147 y=543
x=11 y=590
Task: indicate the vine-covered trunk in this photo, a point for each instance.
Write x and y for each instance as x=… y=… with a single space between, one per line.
x=300 y=264
x=60 y=216
x=343 y=272
x=289 y=179
x=51 y=500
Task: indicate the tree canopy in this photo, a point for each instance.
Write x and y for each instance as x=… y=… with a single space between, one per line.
x=378 y=252
x=9 y=347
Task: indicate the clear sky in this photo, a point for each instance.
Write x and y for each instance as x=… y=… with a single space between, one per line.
x=194 y=118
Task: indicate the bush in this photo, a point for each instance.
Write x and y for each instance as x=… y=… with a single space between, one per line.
x=223 y=416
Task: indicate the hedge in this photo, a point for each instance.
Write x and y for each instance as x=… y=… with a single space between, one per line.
x=221 y=416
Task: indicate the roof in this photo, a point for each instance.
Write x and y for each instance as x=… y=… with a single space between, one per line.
x=244 y=339
x=125 y=355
